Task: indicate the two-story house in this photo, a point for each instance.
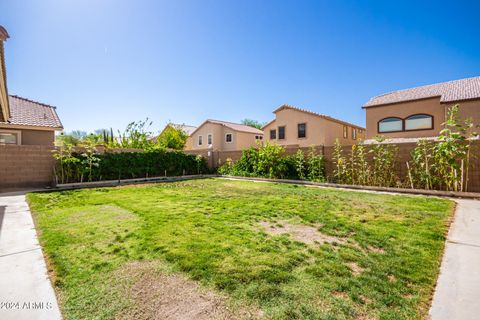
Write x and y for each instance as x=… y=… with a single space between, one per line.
x=302 y=128
x=419 y=112
x=218 y=135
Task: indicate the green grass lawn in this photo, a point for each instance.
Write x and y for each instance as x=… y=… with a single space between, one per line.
x=382 y=265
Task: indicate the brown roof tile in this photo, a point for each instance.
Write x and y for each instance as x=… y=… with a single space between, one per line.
x=451 y=91
x=32 y=113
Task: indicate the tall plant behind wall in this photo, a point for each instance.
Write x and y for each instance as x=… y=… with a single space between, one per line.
x=453 y=151
x=383 y=169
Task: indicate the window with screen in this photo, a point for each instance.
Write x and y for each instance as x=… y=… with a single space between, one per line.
x=390 y=125
x=302 y=130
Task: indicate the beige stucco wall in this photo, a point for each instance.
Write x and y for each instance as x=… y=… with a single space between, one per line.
x=240 y=140
x=430 y=106
x=34 y=137
x=320 y=131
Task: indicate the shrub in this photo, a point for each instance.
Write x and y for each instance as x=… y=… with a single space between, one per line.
x=300 y=164
x=269 y=161
x=73 y=167
x=315 y=166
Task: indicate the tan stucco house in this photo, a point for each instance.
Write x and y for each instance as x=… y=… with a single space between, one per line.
x=297 y=127
x=419 y=112
x=23 y=121
x=218 y=135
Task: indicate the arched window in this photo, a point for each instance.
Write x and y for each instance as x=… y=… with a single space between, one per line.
x=419 y=122
x=390 y=125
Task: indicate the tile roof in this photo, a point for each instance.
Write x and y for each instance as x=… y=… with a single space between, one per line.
x=456 y=90
x=233 y=126
x=286 y=106
x=31 y=113
x=237 y=126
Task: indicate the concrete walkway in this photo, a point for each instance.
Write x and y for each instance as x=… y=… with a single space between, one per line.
x=457 y=295
x=25 y=289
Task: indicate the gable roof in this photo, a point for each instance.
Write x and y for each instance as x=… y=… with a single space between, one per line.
x=234 y=126
x=286 y=106
x=185 y=127
x=456 y=90
x=31 y=113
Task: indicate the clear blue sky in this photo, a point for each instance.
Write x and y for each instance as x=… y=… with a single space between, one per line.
x=106 y=63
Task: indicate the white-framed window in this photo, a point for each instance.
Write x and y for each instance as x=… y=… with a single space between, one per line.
x=200 y=140
x=209 y=139
x=228 y=138
x=345 y=132
x=10 y=137
x=354 y=133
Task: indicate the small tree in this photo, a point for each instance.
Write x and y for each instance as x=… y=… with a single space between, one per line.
x=253 y=123
x=269 y=162
x=136 y=135
x=173 y=137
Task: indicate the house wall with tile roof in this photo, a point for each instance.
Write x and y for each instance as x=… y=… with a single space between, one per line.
x=320 y=130
x=430 y=106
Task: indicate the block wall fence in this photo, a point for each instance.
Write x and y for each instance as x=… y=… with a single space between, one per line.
x=25 y=166
x=32 y=166
x=216 y=158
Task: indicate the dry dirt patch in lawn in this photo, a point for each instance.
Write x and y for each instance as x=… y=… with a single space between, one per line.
x=158 y=294
x=300 y=232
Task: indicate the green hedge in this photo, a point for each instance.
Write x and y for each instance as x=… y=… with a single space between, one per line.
x=127 y=165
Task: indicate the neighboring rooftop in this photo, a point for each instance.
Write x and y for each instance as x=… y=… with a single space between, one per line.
x=451 y=91
x=186 y=128
x=233 y=126
x=31 y=113
x=286 y=106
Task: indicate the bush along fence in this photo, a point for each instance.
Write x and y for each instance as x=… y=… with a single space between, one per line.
x=450 y=162
x=91 y=165
x=270 y=161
